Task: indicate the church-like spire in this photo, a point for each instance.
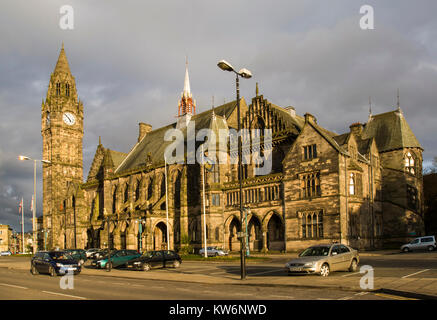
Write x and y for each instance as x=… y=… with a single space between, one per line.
x=62 y=64
x=187 y=105
x=187 y=91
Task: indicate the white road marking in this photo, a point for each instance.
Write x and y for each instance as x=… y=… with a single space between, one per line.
x=361 y=293
x=12 y=286
x=64 y=295
x=345 y=298
x=409 y=275
x=350 y=274
x=271 y=271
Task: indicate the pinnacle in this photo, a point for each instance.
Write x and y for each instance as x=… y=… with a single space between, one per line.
x=62 y=64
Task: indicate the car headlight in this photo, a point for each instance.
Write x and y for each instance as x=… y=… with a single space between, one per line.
x=59 y=265
x=309 y=264
x=137 y=262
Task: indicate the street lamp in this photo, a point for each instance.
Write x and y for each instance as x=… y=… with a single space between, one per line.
x=140 y=231
x=246 y=74
x=34 y=197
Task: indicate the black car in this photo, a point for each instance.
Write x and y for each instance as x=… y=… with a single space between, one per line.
x=98 y=254
x=156 y=259
x=78 y=254
x=54 y=263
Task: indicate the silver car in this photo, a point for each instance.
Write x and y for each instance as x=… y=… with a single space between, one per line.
x=422 y=243
x=323 y=259
x=213 y=252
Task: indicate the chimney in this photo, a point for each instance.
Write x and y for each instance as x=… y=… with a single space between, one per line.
x=356 y=129
x=291 y=110
x=309 y=116
x=144 y=129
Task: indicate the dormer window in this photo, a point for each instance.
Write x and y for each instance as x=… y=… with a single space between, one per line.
x=409 y=163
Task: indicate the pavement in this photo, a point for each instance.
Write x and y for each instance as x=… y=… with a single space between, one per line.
x=413 y=285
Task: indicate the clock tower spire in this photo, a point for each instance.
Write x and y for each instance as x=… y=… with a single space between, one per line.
x=62 y=134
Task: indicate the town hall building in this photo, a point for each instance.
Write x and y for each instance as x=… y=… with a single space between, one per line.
x=362 y=188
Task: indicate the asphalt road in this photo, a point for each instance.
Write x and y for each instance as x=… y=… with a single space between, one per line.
x=20 y=284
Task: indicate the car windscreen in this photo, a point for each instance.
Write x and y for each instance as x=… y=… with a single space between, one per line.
x=315 y=251
x=148 y=254
x=60 y=256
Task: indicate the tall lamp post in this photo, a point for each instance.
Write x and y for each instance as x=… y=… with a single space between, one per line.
x=34 y=198
x=140 y=233
x=246 y=74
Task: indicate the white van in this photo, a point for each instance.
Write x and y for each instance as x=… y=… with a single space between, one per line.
x=422 y=243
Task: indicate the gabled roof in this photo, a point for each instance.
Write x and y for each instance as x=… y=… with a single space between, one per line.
x=151 y=148
x=391 y=131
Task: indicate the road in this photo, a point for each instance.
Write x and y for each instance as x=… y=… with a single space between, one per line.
x=16 y=284
x=20 y=284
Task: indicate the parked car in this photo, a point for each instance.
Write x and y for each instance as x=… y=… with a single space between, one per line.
x=421 y=243
x=54 y=263
x=322 y=259
x=90 y=251
x=5 y=253
x=213 y=252
x=98 y=254
x=78 y=254
x=118 y=258
x=156 y=259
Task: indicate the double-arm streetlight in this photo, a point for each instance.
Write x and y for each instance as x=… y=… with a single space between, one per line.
x=246 y=74
x=34 y=244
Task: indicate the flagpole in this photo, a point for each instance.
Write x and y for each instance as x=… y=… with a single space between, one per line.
x=22 y=223
x=204 y=200
x=166 y=202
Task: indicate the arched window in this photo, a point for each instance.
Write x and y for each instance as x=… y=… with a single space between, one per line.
x=410 y=163
x=150 y=190
x=351 y=184
x=137 y=191
x=67 y=89
x=114 y=200
x=126 y=193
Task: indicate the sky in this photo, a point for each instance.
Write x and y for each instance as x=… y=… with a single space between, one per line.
x=128 y=58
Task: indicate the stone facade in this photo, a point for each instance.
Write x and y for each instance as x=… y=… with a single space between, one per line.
x=363 y=188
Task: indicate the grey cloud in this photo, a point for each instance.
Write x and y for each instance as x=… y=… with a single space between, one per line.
x=129 y=59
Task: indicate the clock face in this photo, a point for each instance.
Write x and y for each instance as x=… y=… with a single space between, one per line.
x=69 y=118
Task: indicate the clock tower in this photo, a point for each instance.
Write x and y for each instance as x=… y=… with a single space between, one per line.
x=62 y=134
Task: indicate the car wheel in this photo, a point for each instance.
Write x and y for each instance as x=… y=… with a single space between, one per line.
x=324 y=270
x=406 y=250
x=146 y=267
x=176 y=264
x=430 y=248
x=52 y=272
x=354 y=265
x=33 y=270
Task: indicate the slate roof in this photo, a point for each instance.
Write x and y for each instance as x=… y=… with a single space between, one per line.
x=391 y=131
x=152 y=147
